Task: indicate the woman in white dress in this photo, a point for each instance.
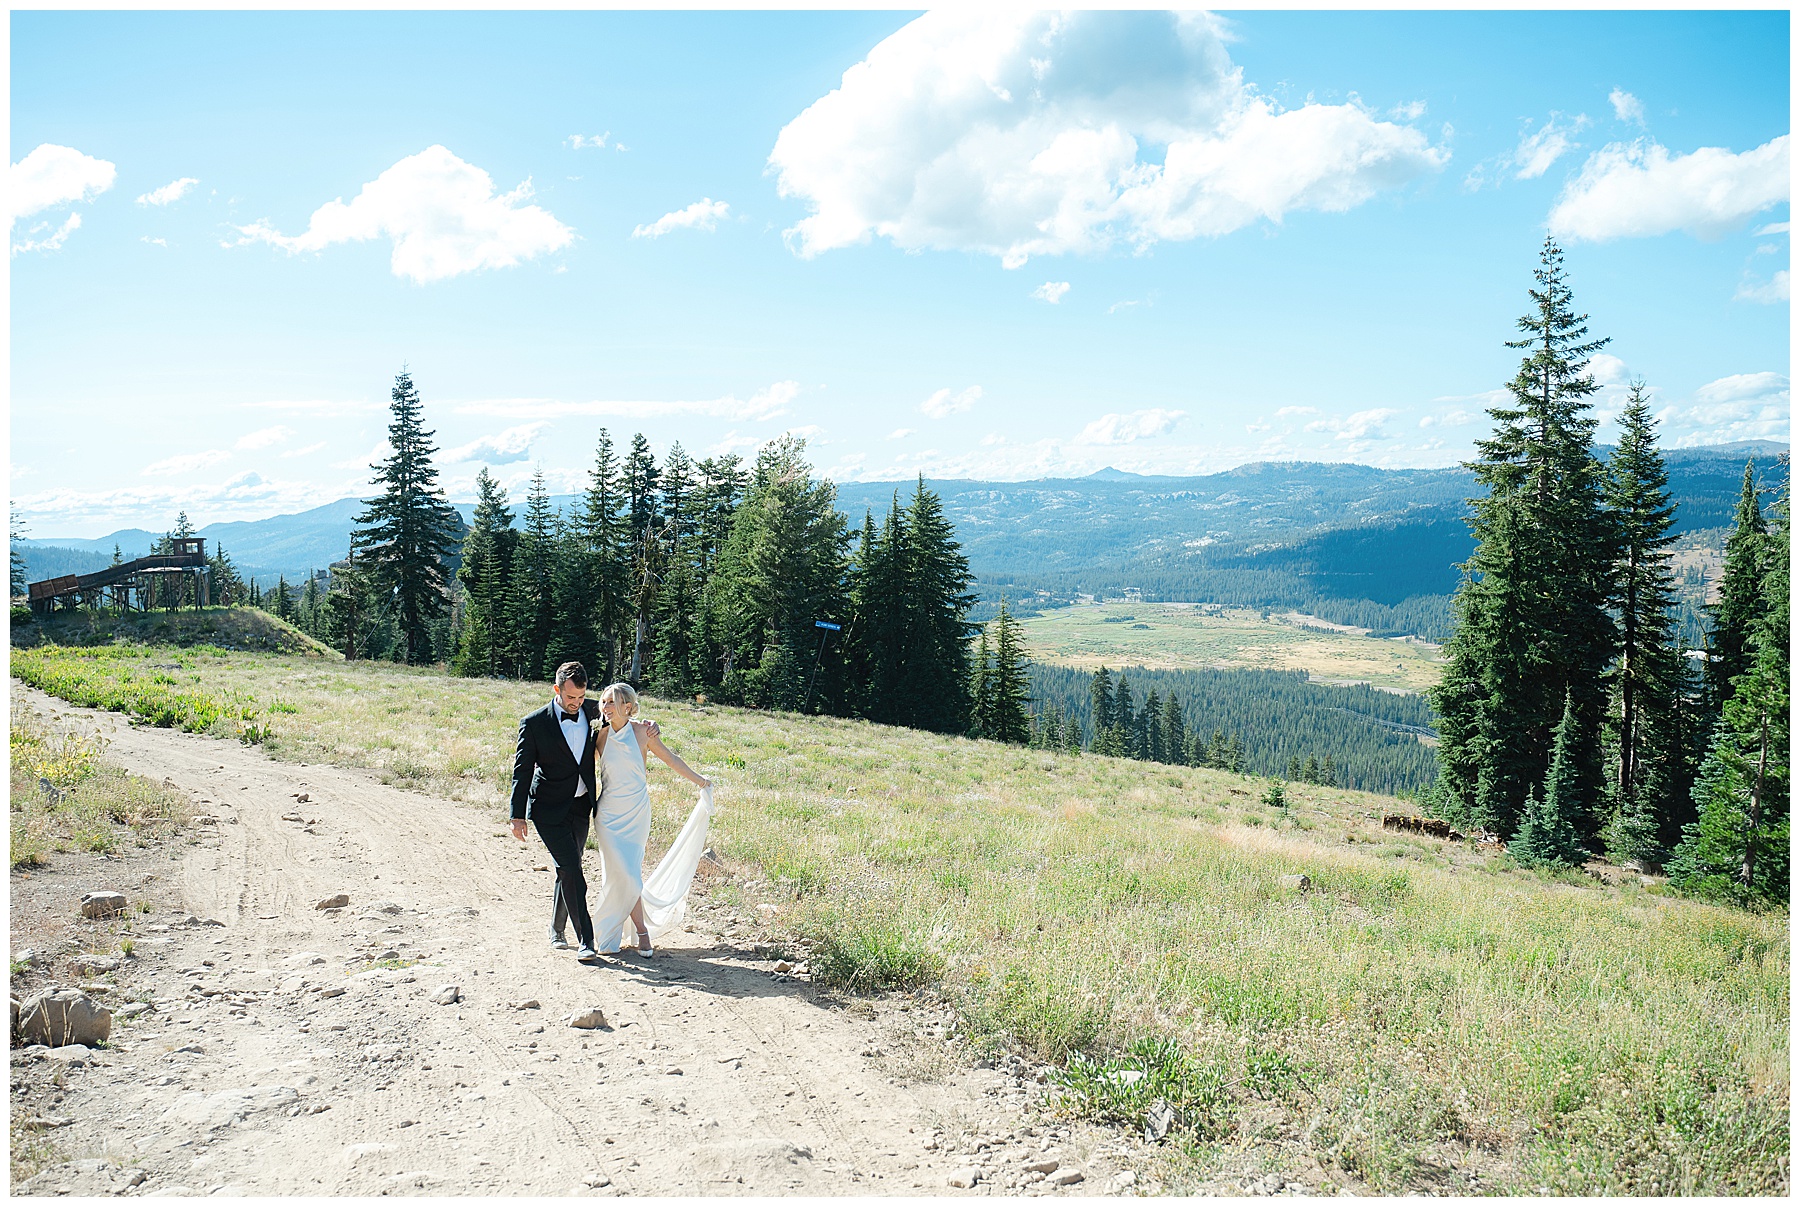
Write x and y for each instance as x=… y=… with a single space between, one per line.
x=623 y=825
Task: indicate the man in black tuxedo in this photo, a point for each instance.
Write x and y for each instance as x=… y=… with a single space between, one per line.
x=554 y=785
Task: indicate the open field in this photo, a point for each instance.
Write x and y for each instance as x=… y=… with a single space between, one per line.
x=1175 y=636
x=1417 y=1017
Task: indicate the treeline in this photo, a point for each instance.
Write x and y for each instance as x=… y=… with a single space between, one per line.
x=1572 y=720
x=1258 y=722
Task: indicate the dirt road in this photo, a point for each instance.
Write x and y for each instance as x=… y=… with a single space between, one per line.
x=298 y=1051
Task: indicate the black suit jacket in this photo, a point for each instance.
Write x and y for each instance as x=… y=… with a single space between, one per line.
x=545 y=773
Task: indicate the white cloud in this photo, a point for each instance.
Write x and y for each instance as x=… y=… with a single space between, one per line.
x=243 y=496
x=577 y=141
x=1608 y=370
x=1127 y=305
x=185 y=463
x=1626 y=107
x=157 y=242
x=1639 y=188
x=503 y=448
x=1411 y=111
x=303 y=452
x=170 y=193
x=1018 y=134
x=1743 y=406
x=263 y=438
x=1288 y=412
x=54 y=175
x=770 y=402
x=51 y=242
x=441 y=213
x=1051 y=291
x=381 y=452
x=1769 y=293
x=1124 y=429
x=1452 y=418
x=1360 y=426
x=1537 y=151
x=703 y=215
x=899 y=433
x=943 y=404
x=1774 y=228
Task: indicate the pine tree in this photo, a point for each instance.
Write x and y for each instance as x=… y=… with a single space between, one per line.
x=646 y=563
x=284 y=599
x=531 y=602
x=1174 y=732
x=19 y=571
x=1309 y=770
x=1737 y=847
x=934 y=679
x=981 y=690
x=409 y=532
x=1547 y=833
x=486 y=567
x=1101 y=693
x=1648 y=765
x=1275 y=795
x=677 y=625
x=227 y=585
x=307 y=610
x=1327 y=773
x=1741 y=602
x=1150 y=726
x=1008 y=689
x=572 y=637
x=348 y=607
x=1234 y=755
x=606 y=527
x=1533 y=638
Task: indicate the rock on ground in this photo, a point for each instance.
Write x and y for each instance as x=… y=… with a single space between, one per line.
x=64 y=1016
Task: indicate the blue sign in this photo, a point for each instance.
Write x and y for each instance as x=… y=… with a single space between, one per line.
x=826 y=624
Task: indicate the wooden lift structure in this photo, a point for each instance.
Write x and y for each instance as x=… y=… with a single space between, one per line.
x=187 y=555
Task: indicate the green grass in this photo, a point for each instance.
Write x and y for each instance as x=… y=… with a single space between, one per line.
x=1423 y=1009
x=1178 y=636
x=90 y=804
x=122 y=678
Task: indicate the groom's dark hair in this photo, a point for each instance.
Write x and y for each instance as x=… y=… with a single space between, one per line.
x=571 y=671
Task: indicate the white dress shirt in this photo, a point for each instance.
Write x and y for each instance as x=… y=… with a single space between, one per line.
x=575 y=733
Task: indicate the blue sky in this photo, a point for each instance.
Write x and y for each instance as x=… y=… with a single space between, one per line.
x=972 y=245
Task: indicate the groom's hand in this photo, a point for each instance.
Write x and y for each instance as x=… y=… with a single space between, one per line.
x=518 y=827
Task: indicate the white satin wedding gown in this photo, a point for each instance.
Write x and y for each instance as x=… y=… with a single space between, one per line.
x=620 y=831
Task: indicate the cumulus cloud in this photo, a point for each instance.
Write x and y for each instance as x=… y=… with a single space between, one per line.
x=303 y=452
x=1626 y=107
x=899 y=433
x=1769 y=293
x=381 y=452
x=185 y=463
x=577 y=141
x=943 y=404
x=263 y=438
x=1051 y=291
x=769 y=402
x=1361 y=425
x=1126 y=428
x=53 y=175
x=170 y=193
x=1743 y=406
x=1640 y=188
x=1019 y=134
x=1451 y=418
x=441 y=213
x=503 y=448
x=1538 y=150
x=703 y=215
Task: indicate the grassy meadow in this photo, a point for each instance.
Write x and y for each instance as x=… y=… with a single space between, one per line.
x=1419 y=1018
x=1183 y=636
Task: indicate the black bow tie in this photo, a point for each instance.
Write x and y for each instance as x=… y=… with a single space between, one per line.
x=570 y=716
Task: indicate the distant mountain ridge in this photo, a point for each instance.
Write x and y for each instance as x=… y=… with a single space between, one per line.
x=1265 y=533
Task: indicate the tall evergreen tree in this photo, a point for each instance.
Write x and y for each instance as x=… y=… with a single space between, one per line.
x=409 y=532
x=1534 y=638
x=677 y=625
x=606 y=527
x=1644 y=739
x=1737 y=847
x=19 y=572
x=934 y=679
x=486 y=568
x=531 y=604
x=1101 y=693
x=640 y=479
x=1009 y=693
x=1174 y=732
x=349 y=607
x=981 y=690
x=572 y=635
x=284 y=599
x=1741 y=601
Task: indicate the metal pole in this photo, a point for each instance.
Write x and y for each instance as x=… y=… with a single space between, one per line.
x=817 y=655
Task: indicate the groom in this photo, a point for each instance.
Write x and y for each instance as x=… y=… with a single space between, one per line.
x=554 y=786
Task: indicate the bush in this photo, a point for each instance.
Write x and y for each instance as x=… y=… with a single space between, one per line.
x=1154 y=1088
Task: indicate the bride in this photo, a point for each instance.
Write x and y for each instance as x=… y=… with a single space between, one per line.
x=659 y=902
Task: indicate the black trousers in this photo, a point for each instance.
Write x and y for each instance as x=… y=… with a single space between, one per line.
x=565 y=840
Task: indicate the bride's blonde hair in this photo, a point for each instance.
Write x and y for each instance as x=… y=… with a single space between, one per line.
x=620 y=691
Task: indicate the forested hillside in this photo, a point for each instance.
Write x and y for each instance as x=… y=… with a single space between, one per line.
x=1371 y=737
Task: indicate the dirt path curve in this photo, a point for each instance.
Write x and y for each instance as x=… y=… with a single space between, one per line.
x=297 y=1051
